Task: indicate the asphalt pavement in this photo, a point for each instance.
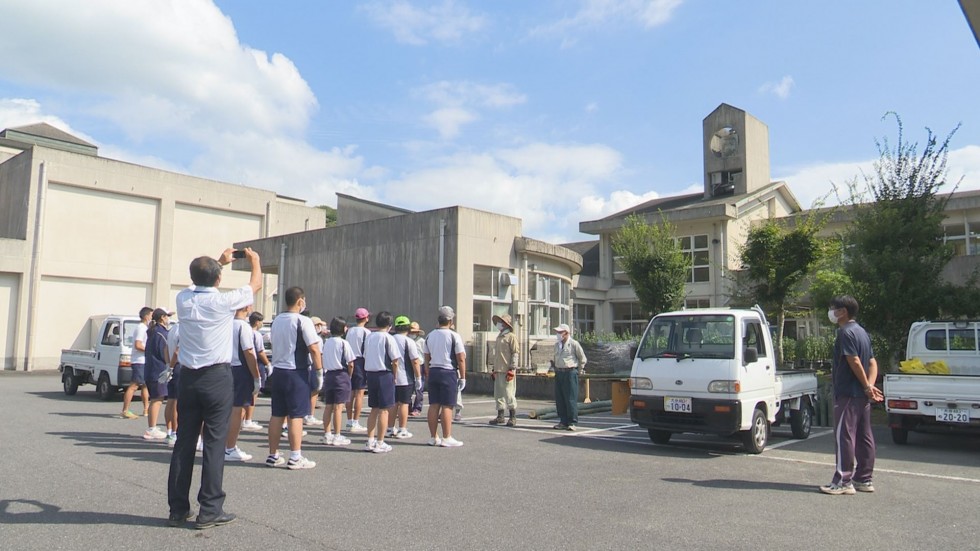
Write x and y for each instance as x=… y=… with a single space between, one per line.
x=76 y=476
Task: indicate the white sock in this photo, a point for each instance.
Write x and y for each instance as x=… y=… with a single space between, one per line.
x=295 y=455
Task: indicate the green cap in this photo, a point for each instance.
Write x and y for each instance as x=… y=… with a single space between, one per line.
x=402 y=320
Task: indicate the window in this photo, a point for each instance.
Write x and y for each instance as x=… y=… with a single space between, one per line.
x=696 y=247
x=484 y=311
x=697 y=303
x=584 y=318
x=689 y=336
x=628 y=318
x=962 y=339
x=129 y=332
x=111 y=336
x=619 y=274
x=549 y=298
x=753 y=338
x=490 y=298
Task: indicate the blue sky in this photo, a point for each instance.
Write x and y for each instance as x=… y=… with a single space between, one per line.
x=553 y=111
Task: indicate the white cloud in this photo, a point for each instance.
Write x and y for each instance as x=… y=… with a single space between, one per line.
x=446 y=22
x=595 y=13
x=539 y=183
x=816 y=182
x=779 y=89
x=591 y=107
x=458 y=101
x=16 y=112
x=594 y=207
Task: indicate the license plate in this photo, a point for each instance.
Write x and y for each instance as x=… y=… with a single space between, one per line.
x=953 y=415
x=677 y=405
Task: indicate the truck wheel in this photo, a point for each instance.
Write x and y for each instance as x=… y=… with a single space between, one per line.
x=757 y=436
x=801 y=421
x=70 y=382
x=659 y=436
x=900 y=436
x=103 y=389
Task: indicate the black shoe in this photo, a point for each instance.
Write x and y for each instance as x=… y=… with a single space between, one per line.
x=176 y=519
x=220 y=520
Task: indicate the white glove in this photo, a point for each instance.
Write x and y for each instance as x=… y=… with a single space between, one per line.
x=319 y=380
x=418 y=384
x=461 y=385
x=165 y=376
x=258 y=385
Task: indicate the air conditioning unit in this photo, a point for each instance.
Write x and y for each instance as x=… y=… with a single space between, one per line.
x=507 y=279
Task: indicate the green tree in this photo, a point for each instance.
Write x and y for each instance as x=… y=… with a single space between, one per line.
x=894 y=249
x=652 y=258
x=776 y=259
x=829 y=279
x=330 y=214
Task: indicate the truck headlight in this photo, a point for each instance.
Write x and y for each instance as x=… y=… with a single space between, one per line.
x=727 y=387
x=641 y=383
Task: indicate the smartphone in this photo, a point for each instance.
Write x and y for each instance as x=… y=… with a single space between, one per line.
x=238 y=254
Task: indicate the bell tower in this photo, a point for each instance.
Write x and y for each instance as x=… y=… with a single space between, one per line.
x=736 y=152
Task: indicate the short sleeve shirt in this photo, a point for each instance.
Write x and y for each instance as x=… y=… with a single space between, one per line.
x=257 y=345
x=441 y=344
x=139 y=356
x=852 y=340
x=406 y=375
x=173 y=340
x=337 y=353
x=285 y=330
x=206 y=316
x=241 y=338
x=357 y=337
x=380 y=346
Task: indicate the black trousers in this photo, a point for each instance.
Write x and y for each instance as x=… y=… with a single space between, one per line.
x=206 y=396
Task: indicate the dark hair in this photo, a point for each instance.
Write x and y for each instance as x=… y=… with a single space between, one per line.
x=293 y=294
x=337 y=326
x=255 y=317
x=444 y=320
x=845 y=301
x=145 y=311
x=383 y=319
x=402 y=328
x=205 y=271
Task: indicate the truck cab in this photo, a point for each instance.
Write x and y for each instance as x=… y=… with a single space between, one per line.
x=714 y=371
x=106 y=362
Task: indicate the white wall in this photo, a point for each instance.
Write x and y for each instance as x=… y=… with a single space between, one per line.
x=9 y=288
x=199 y=232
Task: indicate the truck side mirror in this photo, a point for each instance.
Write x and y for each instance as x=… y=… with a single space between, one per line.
x=633 y=349
x=749 y=355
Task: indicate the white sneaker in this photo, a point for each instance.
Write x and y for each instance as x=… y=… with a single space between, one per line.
x=450 y=443
x=275 y=460
x=285 y=432
x=154 y=434
x=171 y=440
x=402 y=434
x=340 y=440
x=382 y=447
x=389 y=433
x=349 y=424
x=328 y=439
x=311 y=421
x=301 y=463
x=236 y=454
x=369 y=445
x=357 y=428
x=251 y=426
x=435 y=441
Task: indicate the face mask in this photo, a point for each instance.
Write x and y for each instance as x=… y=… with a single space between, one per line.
x=832 y=316
x=500 y=327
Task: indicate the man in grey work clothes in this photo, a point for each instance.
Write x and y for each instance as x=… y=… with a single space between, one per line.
x=854 y=373
x=569 y=363
x=206 y=386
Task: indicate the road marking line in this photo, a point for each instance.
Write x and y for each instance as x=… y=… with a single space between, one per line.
x=877 y=469
x=788 y=442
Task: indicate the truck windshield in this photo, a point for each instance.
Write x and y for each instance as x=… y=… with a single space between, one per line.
x=694 y=336
x=129 y=331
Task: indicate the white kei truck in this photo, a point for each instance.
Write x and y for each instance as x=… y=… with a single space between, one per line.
x=106 y=363
x=713 y=371
x=942 y=394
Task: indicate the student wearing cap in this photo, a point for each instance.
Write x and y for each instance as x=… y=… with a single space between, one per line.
x=295 y=345
x=316 y=378
x=446 y=359
x=206 y=385
x=255 y=320
x=418 y=336
x=569 y=363
x=246 y=380
x=357 y=337
x=338 y=363
x=137 y=360
x=381 y=363
x=156 y=366
x=505 y=371
x=408 y=379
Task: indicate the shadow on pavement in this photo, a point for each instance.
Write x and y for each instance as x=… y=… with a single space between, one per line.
x=689 y=450
x=36 y=512
x=120 y=445
x=82 y=396
x=727 y=484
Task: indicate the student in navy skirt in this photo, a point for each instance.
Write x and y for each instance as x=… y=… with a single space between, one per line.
x=338 y=364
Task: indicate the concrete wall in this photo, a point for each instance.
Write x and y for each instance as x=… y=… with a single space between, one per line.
x=9 y=291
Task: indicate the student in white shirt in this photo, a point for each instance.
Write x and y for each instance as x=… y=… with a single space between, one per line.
x=357 y=336
x=137 y=360
x=446 y=359
x=381 y=363
x=407 y=380
x=245 y=375
x=338 y=363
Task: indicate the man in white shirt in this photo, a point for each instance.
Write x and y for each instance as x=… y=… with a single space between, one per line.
x=137 y=360
x=206 y=385
x=569 y=363
x=446 y=359
x=295 y=345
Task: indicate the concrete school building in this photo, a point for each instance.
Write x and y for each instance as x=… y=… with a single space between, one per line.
x=83 y=235
x=383 y=257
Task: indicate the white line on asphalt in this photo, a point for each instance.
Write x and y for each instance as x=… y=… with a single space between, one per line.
x=877 y=469
x=788 y=442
